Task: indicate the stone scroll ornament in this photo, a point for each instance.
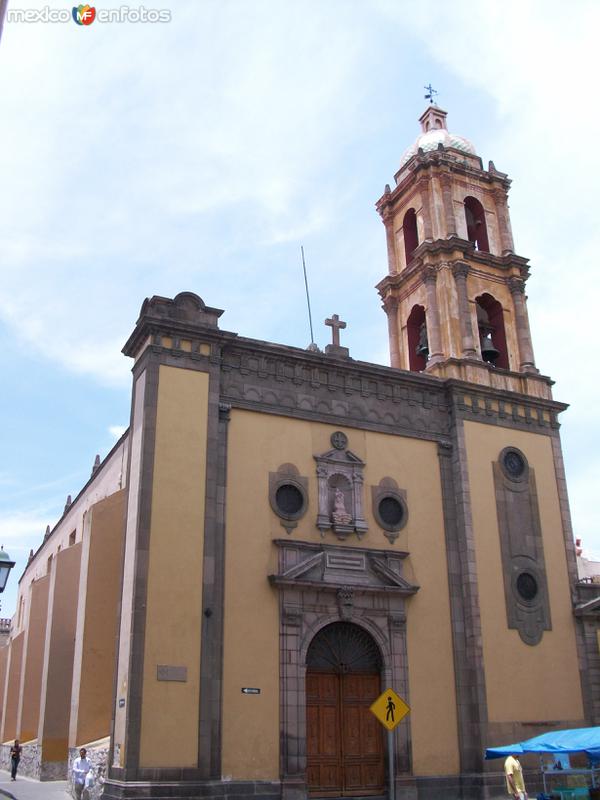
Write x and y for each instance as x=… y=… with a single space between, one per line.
x=340 y=480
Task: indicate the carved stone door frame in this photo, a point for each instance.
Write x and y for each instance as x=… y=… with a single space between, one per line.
x=313 y=598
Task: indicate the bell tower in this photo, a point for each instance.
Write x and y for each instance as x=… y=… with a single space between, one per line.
x=454 y=294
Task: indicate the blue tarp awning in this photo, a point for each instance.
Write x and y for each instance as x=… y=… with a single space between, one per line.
x=577 y=740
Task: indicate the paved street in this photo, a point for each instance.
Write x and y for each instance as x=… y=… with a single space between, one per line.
x=28 y=789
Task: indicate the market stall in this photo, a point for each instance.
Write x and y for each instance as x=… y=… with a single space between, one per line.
x=554 y=748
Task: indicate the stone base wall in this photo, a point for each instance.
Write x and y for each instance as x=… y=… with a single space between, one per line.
x=30 y=763
x=97 y=755
x=53 y=770
x=477 y=786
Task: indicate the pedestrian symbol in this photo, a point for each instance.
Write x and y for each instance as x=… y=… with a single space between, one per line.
x=389 y=716
x=390 y=709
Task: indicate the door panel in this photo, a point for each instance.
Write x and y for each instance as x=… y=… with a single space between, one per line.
x=344 y=740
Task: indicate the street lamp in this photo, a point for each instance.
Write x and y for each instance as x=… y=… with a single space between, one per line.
x=5 y=567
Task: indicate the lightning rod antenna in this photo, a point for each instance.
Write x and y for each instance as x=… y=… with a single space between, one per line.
x=312 y=338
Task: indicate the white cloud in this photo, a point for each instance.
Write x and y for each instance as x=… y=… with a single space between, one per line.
x=117 y=431
x=19 y=530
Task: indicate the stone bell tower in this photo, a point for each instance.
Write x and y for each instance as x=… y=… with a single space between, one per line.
x=455 y=290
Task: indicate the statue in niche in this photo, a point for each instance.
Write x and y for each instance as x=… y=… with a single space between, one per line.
x=340 y=482
x=340 y=516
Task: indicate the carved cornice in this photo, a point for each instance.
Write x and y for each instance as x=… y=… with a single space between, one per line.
x=455 y=250
x=184 y=317
x=343 y=571
x=294 y=382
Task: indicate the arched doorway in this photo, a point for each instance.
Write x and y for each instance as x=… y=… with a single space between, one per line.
x=344 y=741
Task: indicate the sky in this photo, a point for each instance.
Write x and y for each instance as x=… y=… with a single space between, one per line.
x=199 y=154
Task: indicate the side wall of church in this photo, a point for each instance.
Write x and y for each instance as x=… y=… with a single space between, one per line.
x=91 y=698
x=524 y=682
x=259 y=444
x=38 y=692
x=33 y=660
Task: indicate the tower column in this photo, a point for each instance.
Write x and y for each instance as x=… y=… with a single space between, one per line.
x=446 y=184
x=390 y=306
x=506 y=240
x=460 y=271
x=517 y=290
x=433 y=317
x=388 y=221
x=424 y=194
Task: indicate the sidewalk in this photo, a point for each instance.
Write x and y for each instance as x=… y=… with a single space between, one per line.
x=29 y=789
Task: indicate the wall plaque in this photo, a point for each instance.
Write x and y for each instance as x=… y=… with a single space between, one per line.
x=166 y=672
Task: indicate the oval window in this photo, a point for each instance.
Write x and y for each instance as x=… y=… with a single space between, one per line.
x=289 y=500
x=527 y=586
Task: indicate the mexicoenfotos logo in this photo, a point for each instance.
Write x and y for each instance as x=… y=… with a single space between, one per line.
x=84 y=15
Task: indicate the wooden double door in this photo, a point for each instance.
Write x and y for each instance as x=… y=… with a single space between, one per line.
x=345 y=753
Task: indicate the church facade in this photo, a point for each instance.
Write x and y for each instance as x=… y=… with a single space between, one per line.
x=283 y=534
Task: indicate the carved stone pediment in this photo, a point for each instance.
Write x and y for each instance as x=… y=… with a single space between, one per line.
x=344 y=570
x=340 y=482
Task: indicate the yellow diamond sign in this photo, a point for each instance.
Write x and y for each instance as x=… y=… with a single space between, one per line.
x=390 y=709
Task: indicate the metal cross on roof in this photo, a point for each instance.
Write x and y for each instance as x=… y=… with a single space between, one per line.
x=430 y=93
x=335 y=323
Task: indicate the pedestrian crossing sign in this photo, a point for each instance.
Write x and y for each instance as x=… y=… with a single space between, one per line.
x=390 y=709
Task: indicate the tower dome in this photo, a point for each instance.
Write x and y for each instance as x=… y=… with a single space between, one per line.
x=434 y=133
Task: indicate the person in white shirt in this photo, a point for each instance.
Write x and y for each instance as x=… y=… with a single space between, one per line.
x=81 y=767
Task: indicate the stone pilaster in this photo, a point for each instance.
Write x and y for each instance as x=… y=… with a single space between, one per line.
x=460 y=272
x=388 y=221
x=506 y=240
x=424 y=193
x=517 y=289
x=433 y=316
x=449 y=218
x=390 y=306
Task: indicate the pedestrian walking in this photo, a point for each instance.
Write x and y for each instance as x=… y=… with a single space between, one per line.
x=15 y=757
x=81 y=767
x=515 y=784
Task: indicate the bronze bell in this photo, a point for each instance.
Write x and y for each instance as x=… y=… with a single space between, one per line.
x=422 y=349
x=489 y=353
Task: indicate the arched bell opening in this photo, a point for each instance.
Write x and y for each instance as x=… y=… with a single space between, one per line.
x=418 y=346
x=476 y=225
x=492 y=336
x=344 y=741
x=411 y=234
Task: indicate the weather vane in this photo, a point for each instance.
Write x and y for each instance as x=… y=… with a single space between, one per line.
x=430 y=93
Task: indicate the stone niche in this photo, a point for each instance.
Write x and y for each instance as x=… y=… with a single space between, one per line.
x=340 y=478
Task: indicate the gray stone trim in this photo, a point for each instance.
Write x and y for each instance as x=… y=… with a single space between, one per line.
x=181 y=783
x=312 y=386
x=138 y=627
x=119 y=609
x=388 y=487
x=308 y=606
x=464 y=601
x=213 y=579
x=288 y=474
x=522 y=549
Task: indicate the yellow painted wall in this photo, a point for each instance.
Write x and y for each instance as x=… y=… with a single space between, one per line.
x=259 y=444
x=3 y=666
x=523 y=682
x=56 y=704
x=174 y=601
x=100 y=628
x=34 y=659
x=9 y=728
